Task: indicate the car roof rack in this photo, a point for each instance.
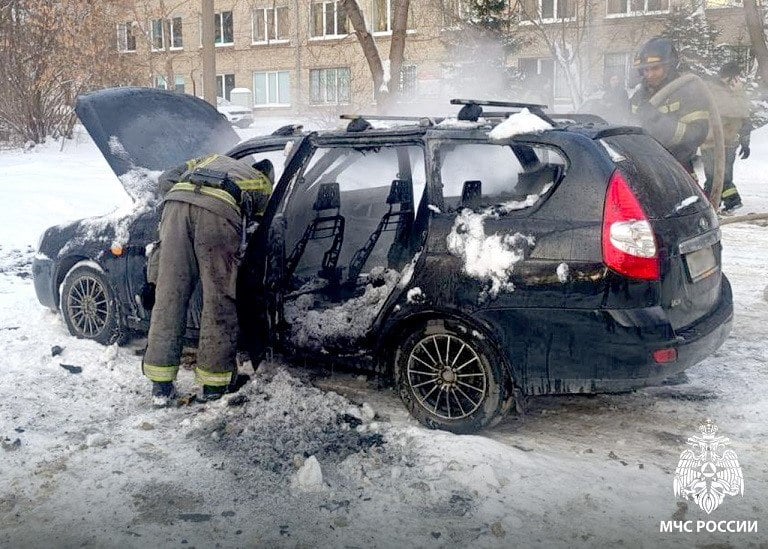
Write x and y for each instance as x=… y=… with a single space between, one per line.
x=422 y=120
x=473 y=109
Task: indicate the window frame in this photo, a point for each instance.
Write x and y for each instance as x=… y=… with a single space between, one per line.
x=269 y=103
x=153 y=36
x=223 y=78
x=123 y=35
x=390 y=17
x=276 y=23
x=528 y=20
x=172 y=34
x=336 y=71
x=326 y=36
x=635 y=13
x=160 y=82
x=220 y=28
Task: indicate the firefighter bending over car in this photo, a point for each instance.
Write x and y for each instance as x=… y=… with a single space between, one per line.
x=209 y=203
x=681 y=122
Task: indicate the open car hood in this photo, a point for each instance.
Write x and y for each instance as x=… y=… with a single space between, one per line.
x=144 y=130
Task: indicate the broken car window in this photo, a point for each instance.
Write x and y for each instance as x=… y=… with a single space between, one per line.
x=483 y=175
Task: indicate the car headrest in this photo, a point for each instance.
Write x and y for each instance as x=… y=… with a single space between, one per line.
x=265 y=166
x=400 y=192
x=471 y=191
x=328 y=197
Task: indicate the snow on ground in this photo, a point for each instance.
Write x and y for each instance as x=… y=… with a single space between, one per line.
x=301 y=458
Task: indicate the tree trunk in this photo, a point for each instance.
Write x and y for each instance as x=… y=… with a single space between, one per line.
x=754 y=22
x=396 y=50
x=355 y=14
x=209 y=52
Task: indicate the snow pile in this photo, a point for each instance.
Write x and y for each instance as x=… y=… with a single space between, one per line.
x=686 y=202
x=15 y=261
x=415 y=295
x=456 y=124
x=407 y=273
x=512 y=205
x=521 y=122
x=318 y=324
x=284 y=424
x=111 y=229
x=490 y=259
x=563 y=272
x=141 y=183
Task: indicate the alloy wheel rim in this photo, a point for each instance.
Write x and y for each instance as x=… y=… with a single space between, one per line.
x=88 y=307
x=447 y=376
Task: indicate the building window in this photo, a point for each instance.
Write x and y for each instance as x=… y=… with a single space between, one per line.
x=328 y=19
x=637 y=7
x=224 y=85
x=161 y=82
x=384 y=16
x=126 y=40
x=271 y=25
x=453 y=11
x=548 y=10
x=408 y=80
x=272 y=89
x=329 y=86
x=224 y=28
x=714 y=4
x=157 y=35
x=157 y=31
x=617 y=64
x=177 y=41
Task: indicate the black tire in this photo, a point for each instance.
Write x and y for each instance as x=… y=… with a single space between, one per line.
x=427 y=366
x=89 y=308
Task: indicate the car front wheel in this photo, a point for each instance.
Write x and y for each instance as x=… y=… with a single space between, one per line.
x=449 y=379
x=89 y=307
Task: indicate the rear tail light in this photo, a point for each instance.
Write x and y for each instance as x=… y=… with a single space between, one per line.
x=629 y=245
x=665 y=356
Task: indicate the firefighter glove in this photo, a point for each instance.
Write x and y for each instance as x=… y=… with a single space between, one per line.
x=744 y=151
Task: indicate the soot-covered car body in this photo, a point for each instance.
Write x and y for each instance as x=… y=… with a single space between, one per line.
x=473 y=261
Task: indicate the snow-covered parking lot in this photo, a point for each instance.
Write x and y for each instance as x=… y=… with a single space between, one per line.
x=304 y=458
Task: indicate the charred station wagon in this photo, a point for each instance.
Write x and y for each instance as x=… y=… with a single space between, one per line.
x=470 y=261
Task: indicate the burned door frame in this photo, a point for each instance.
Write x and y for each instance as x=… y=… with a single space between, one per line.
x=398 y=144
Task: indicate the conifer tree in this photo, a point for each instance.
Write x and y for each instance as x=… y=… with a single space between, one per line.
x=695 y=39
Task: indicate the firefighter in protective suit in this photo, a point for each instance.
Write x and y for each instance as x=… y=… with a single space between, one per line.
x=208 y=203
x=681 y=122
x=733 y=107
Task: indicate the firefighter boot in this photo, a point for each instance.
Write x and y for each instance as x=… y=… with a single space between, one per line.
x=163 y=393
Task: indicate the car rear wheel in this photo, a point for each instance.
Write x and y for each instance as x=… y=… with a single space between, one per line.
x=89 y=307
x=449 y=379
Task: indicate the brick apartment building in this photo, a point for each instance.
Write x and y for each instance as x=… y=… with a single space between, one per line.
x=300 y=56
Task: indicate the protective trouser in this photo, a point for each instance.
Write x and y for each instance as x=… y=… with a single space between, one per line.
x=730 y=197
x=196 y=244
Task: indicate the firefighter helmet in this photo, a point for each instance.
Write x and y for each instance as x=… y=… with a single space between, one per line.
x=657 y=51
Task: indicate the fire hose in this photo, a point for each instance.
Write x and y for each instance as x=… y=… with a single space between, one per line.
x=716 y=126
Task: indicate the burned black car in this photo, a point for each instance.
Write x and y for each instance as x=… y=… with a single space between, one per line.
x=471 y=260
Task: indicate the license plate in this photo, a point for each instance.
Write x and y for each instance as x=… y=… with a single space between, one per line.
x=701 y=263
